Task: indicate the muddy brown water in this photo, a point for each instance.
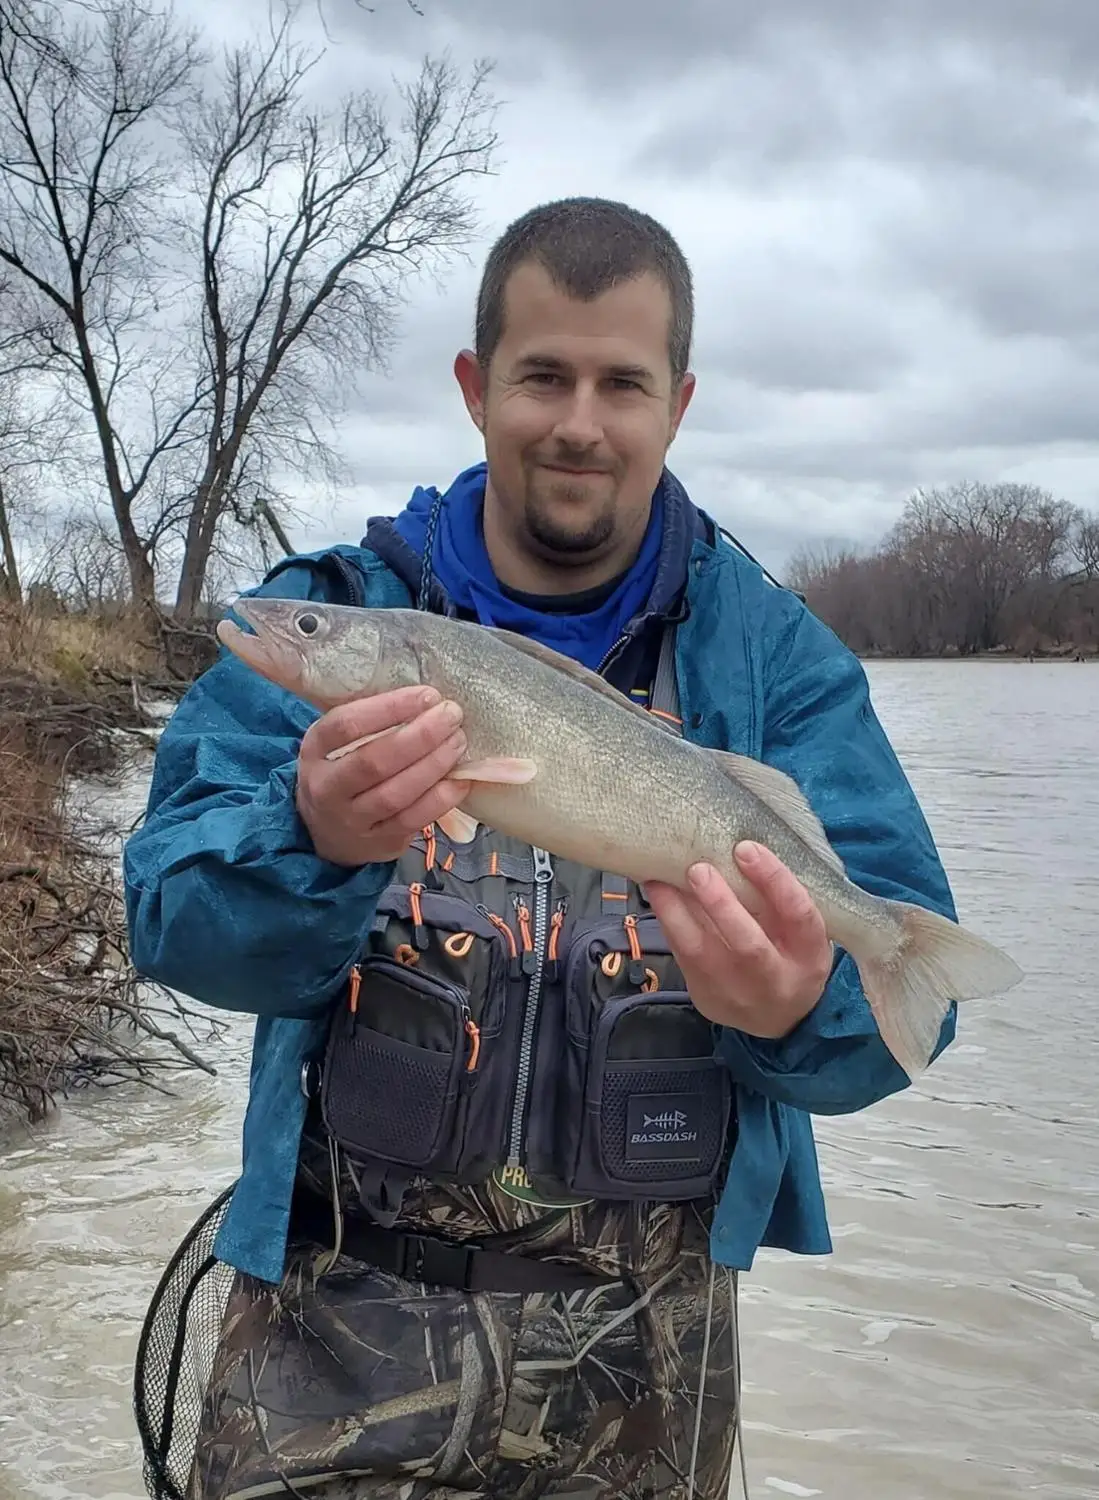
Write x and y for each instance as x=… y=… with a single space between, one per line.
x=950 y=1345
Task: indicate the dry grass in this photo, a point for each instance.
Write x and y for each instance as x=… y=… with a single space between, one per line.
x=74 y=650
x=71 y=1008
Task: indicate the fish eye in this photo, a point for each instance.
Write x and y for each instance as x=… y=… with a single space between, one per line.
x=307 y=624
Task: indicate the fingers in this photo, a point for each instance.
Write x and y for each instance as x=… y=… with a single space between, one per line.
x=744 y=938
x=791 y=917
x=366 y=805
x=682 y=927
x=443 y=797
x=761 y=976
x=430 y=741
x=402 y=796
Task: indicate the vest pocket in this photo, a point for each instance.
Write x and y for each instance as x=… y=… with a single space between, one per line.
x=398 y=1097
x=417 y=1063
x=656 y=1102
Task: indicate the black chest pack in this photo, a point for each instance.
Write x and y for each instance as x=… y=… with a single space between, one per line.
x=521 y=1018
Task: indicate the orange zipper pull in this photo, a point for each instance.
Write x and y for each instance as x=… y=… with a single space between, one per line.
x=501 y=926
x=557 y=921
x=473 y=1031
x=353 y=985
x=429 y=852
x=419 y=931
x=636 y=971
x=522 y=911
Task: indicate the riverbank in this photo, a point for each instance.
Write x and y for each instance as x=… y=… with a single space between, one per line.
x=75 y=706
x=1052 y=654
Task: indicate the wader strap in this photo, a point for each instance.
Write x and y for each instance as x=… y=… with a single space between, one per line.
x=382 y=1188
x=615 y=895
x=438 y=1262
x=664 y=705
x=476 y=862
x=664 y=696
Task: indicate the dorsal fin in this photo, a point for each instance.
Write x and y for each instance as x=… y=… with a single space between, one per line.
x=569 y=668
x=784 y=797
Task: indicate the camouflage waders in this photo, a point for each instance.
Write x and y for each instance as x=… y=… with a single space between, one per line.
x=348 y=1382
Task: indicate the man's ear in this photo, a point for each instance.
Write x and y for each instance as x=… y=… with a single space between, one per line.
x=680 y=402
x=471 y=379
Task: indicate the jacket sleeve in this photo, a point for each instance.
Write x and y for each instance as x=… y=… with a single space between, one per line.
x=226 y=899
x=820 y=728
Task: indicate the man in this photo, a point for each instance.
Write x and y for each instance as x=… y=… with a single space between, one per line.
x=504 y=1264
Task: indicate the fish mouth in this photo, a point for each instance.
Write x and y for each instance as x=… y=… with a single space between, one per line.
x=266 y=652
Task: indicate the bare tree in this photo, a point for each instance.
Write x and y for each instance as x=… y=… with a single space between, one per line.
x=364 y=205
x=1085 y=544
x=223 y=258
x=976 y=567
x=36 y=462
x=81 y=181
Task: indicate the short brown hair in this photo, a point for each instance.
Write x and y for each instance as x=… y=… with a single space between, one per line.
x=587 y=245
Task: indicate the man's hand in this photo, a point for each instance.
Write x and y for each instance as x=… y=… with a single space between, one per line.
x=759 y=971
x=367 y=806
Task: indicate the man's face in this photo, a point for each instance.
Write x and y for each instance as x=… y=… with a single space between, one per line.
x=578 y=409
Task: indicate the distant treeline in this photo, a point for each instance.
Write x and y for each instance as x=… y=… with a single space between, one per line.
x=973 y=568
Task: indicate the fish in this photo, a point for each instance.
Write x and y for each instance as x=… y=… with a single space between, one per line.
x=560 y=759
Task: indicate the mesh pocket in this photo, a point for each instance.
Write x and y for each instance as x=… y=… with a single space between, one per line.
x=389 y=1098
x=175 y=1355
x=657 y=1106
x=655 y=1122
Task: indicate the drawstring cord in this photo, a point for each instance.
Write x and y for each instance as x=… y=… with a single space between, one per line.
x=424 y=601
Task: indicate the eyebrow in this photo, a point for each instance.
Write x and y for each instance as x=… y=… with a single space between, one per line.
x=617 y=372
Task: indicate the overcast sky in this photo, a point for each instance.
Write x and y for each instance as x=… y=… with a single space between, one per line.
x=892 y=212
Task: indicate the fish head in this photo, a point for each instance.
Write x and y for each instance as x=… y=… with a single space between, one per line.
x=326 y=654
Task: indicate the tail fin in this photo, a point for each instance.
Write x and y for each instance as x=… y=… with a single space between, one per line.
x=936 y=962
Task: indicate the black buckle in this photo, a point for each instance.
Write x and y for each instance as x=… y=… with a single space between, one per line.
x=436 y=1262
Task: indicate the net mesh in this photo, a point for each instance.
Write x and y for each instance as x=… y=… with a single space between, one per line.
x=175 y=1354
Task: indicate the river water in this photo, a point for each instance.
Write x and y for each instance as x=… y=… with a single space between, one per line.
x=950 y=1345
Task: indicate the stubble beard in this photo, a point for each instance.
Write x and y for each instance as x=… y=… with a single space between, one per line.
x=551 y=531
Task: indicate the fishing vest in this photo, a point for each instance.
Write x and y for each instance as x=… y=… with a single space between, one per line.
x=520 y=1017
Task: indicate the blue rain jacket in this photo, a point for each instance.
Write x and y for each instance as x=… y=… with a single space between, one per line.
x=228 y=903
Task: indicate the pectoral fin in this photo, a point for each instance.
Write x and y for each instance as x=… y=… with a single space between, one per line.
x=364 y=739
x=506 y=769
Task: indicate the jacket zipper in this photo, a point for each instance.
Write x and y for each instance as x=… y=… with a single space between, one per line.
x=351 y=576
x=543 y=878
x=612 y=653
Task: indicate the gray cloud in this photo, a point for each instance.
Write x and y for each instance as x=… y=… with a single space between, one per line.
x=624 y=44
x=892 y=211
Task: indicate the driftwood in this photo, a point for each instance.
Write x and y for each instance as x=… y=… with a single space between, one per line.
x=72 y=1009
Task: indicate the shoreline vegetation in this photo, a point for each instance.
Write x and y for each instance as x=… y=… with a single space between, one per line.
x=1065 y=652
x=75 y=696
x=973 y=572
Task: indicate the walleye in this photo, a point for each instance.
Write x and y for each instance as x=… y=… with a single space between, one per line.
x=563 y=761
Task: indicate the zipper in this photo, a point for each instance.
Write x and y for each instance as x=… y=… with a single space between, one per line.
x=473 y=1032
x=351 y=576
x=529 y=961
x=509 y=937
x=612 y=653
x=543 y=878
x=553 y=964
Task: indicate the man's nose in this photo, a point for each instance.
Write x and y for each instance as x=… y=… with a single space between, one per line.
x=579 y=424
